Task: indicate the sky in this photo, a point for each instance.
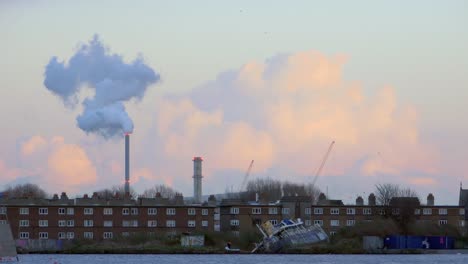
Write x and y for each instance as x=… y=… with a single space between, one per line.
x=235 y=81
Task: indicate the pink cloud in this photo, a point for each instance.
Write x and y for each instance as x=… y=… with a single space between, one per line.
x=32 y=145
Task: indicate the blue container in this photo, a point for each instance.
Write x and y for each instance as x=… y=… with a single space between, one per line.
x=441 y=242
x=393 y=242
x=414 y=242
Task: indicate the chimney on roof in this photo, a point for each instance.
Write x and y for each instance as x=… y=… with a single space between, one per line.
x=63 y=196
x=371 y=199
x=430 y=200
x=359 y=201
x=55 y=197
x=85 y=196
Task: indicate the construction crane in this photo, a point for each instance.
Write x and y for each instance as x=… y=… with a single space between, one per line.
x=247 y=173
x=317 y=173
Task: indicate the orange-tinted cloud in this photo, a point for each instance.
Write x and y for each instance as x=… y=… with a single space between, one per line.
x=53 y=164
x=32 y=145
x=285 y=112
x=69 y=165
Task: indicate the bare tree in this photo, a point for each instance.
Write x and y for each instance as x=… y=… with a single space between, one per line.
x=27 y=190
x=385 y=192
x=267 y=188
x=293 y=189
x=116 y=190
x=164 y=190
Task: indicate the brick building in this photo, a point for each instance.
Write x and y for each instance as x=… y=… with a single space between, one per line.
x=98 y=218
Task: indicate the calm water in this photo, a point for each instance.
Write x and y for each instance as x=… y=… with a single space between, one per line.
x=244 y=259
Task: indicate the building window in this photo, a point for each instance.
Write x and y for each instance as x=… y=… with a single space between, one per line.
x=152 y=223
x=307 y=222
x=70 y=235
x=396 y=211
x=308 y=211
x=204 y=211
x=88 y=223
x=256 y=210
x=3 y=210
x=134 y=211
x=62 y=223
x=43 y=235
x=382 y=212
x=191 y=211
x=191 y=223
x=334 y=222
x=417 y=211
x=235 y=233
x=70 y=211
x=24 y=211
x=125 y=234
x=318 y=211
x=427 y=211
x=234 y=210
x=125 y=211
x=61 y=211
x=24 y=235
x=462 y=211
x=108 y=223
x=152 y=211
x=70 y=223
x=335 y=211
x=366 y=211
x=318 y=222
x=61 y=235
x=107 y=235
x=43 y=211
x=350 y=211
x=273 y=210
x=443 y=222
x=170 y=211
x=126 y=223
x=43 y=223
x=350 y=222
x=204 y=223
x=3 y=222
x=88 y=211
x=88 y=235
x=170 y=223
x=462 y=223
x=234 y=222
x=107 y=211
x=24 y=223
x=332 y=233
x=274 y=221
x=442 y=211
x=285 y=211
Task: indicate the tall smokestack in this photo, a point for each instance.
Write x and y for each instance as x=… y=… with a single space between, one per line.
x=197 y=179
x=127 y=165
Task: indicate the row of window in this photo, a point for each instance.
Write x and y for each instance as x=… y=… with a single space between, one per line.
x=125 y=223
x=106 y=211
x=65 y=235
x=258 y=210
x=336 y=223
x=368 y=211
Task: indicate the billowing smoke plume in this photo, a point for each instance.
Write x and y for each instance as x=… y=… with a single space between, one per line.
x=112 y=80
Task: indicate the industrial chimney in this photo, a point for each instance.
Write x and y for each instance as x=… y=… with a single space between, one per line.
x=127 y=165
x=197 y=179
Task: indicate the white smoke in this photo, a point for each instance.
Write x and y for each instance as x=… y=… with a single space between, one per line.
x=112 y=80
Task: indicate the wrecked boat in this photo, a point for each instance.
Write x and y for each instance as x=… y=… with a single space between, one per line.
x=288 y=234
